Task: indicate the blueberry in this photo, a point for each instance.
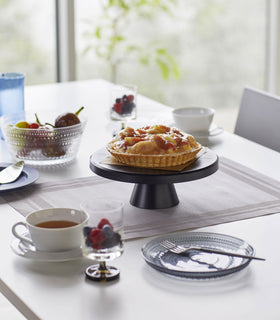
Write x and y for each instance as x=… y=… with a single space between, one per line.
x=108 y=231
x=88 y=243
x=113 y=241
x=126 y=107
x=86 y=231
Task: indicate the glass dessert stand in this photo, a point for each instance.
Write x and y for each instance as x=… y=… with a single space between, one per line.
x=102 y=237
x=154 y=188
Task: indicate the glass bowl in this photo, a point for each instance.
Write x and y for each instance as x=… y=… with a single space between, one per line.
x=45 y=146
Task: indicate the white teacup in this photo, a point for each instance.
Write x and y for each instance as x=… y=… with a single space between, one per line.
x=193 y=119
x=55 y=229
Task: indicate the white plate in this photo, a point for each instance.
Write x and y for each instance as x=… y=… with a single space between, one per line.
x=28 y=251
x=214 y=131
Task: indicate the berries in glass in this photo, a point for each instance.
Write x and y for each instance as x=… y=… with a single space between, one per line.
x=124 y=105
x=102 y=236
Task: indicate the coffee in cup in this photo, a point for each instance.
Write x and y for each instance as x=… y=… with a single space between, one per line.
x=55 y=229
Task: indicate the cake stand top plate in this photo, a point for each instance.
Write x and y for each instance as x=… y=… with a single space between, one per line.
x=204 y=166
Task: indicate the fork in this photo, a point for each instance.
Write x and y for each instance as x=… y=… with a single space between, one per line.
x=172 y=247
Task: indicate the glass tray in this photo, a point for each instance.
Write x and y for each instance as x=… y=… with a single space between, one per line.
x=195 y=264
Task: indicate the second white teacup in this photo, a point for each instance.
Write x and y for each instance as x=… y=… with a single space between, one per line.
x=193 y=119
x=55 y=229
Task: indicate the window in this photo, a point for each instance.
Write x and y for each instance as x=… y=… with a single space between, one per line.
x=219 y=46
x=27 y=37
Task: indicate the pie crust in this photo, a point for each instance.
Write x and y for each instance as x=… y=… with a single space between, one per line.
x=154 y=147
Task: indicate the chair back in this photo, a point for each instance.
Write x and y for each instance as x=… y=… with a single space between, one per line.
x=259 y=118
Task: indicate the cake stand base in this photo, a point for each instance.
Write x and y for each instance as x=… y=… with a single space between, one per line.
x=154 y=196
x=154 y=188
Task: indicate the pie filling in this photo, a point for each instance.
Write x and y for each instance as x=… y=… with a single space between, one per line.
x=153 y=140
x=134 y=146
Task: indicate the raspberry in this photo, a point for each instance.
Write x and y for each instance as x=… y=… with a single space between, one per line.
x=130 y=97
x=118 y=107
x=96 y=238
x=102 y=223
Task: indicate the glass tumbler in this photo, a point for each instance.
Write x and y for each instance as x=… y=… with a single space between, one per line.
x=11 y=93
x=102 y=237
x=123 y=103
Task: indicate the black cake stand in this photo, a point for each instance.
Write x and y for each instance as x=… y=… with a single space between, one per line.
x=154 y=189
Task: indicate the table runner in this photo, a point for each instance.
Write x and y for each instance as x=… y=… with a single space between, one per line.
x=234 y=192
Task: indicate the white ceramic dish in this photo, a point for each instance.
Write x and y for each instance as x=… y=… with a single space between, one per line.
x=213 y=131
x=28 y=251
x=57 y=238
x=193 y=119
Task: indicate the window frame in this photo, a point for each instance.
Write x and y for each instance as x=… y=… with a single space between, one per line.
x=272 y=77
x=65 y=40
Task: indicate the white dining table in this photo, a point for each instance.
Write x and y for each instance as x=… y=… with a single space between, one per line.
x=58 y=290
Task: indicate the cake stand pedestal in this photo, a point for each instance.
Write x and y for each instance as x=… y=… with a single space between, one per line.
x=153 y=188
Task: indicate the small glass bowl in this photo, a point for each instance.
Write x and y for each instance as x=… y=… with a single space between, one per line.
x=46 y=146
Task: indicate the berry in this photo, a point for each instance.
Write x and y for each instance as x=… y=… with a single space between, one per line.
x=88 y=243
x=124 y=105
x=130 y=97
x=96 y=238
x=118 y=107
x=113 y=241
x=108 y=231
x=34 y=125
x=127 y=107
x=102 y=223
x=86 y=231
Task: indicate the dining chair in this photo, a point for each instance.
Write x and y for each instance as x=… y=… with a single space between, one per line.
x=259 y=118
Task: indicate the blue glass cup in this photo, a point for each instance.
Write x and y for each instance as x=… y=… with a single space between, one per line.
x=11 y=93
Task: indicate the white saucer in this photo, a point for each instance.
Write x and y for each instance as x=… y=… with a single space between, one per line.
x=28 y=251
x=214 y=131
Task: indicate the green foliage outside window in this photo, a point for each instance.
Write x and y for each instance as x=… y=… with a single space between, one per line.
x=111 y=42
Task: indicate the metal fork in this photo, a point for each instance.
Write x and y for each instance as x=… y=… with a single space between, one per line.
x=172 y=247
